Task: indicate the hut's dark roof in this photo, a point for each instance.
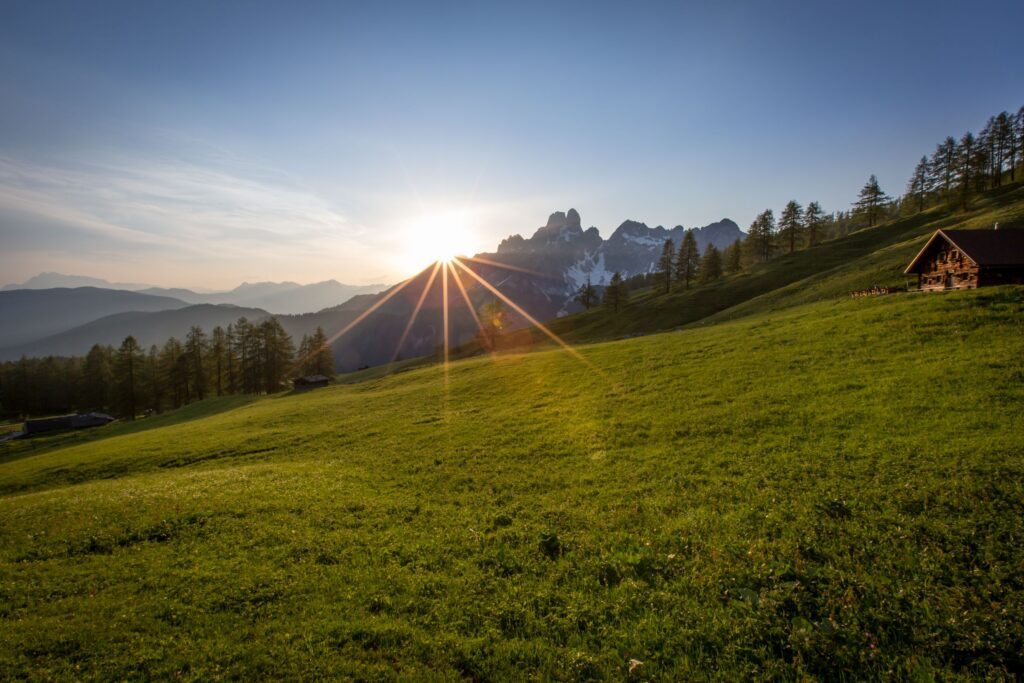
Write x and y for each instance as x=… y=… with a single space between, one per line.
x=1003 y=247
x=312 y=379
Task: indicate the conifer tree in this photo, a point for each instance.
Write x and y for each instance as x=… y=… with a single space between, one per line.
x=813 y=223
x=965 y=162
x=129 y=365
x=791 y=225
x=761 y=236
x=218 y=350
x=321 y=356
x=175 y=372
x=196 y=347
x=711 y=264
x=275 y=353
x=96 y=376
x=665 y=265
x=917 y=186
x=494 y=318
x=870 y=200
x=587 y=296
x=687 y=260
x=733 y=257
x=943 y=165
x=231 y=359
x=303 y=356
x=615 y=294
x=153 y=380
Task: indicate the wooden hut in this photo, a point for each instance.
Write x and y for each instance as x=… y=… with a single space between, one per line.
x=310 y=382
x=63 y=422
x=967 y=259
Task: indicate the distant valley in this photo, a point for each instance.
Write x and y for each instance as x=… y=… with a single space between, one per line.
x=66 y=314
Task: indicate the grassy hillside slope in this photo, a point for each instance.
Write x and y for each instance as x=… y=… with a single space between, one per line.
x=875 y=256
x=834 y=490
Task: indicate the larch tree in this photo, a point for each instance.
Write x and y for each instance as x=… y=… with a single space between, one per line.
x=733 y=257
x=493 y=319
x=275 y=353
x=965 y=161
x=761 y=236
x=870 y=200
x=195 y=348
x=587 y=296
x=711 y=264
x=321 y=356
x=129 y=366
x=96 y=376
x=665 y=265
x=943 y=165
x=217 y=358
x=814 y=219
x=687 y=260
x=917 y=186
x=791 y=225
x=615 y=294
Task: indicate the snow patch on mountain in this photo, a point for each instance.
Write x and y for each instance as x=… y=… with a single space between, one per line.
x=590 y=267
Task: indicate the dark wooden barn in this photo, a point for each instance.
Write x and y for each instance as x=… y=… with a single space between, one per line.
x=967 y=259
x=62 y=422
x=310 y=382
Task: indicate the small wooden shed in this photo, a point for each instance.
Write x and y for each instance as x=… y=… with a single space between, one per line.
x=310 y=382
x=967 y=259
x=62 y=422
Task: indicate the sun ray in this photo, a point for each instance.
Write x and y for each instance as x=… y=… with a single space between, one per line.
x=469 y=305
x=533 y=321
x=505 y=266
x=444 y=296
x=362 y=316
x=415 y=313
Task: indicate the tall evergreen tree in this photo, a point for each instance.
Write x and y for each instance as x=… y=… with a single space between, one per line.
x=321 y=356
x=174 y=368
x=814 y=219
x=665 y=265
x=943 y=165
x=687 y=260
x=231 y=359
x=217 y=358
x=711 y=264
x=153 y=381
x=96 y=378
x=761 y=236
x=870 y=200
x=129 y=366
x=615 y=294
x=733 y=257
x=275 y=353
x=587 y=296
x=791 y=225
x=965 y=161
x=196 y=347
x=917 y=186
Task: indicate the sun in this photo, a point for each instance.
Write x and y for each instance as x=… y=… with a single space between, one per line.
x=438 y=236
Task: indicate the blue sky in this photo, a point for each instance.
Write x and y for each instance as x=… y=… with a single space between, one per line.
x=202 y=144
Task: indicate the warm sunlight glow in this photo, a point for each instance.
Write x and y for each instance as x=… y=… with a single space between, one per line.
x=438 y=236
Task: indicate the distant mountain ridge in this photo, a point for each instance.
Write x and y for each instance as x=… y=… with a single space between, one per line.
x=32 y=314
x=564 y=255
x=276 y=297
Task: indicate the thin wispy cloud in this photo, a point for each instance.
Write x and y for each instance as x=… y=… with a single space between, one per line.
x=186 y=207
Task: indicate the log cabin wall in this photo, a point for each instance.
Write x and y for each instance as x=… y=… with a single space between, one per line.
x=949 y=268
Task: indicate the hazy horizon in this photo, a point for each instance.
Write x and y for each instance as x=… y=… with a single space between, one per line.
x=193 y=145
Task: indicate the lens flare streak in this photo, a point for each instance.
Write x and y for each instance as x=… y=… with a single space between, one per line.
x=533 y=321
x=415 y=312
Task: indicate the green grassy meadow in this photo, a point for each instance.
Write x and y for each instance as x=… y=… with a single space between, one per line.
x=833 y=490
